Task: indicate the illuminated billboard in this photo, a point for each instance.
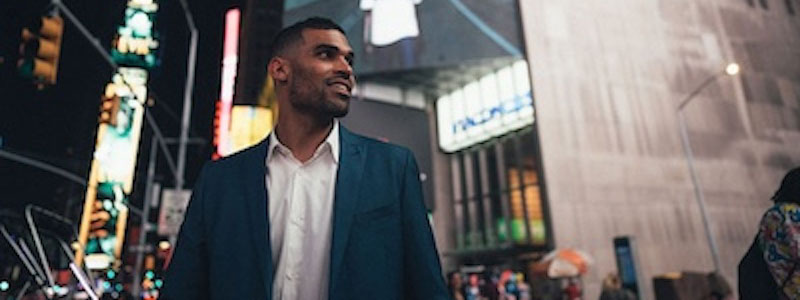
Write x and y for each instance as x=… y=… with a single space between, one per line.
x=497 y=103
x=135 y=43
x=249 y=125
x=105 y=210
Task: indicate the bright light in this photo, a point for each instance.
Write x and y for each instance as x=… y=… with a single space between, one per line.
x=732 y=69
x=4 y=285
x=163 y=245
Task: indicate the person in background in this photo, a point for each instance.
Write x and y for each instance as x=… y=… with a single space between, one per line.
x=720 y=289
x=455 y=285
x=613 y=290
x=573 y=289
x=777 y=243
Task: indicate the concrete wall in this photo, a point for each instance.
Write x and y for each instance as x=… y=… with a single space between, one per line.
x=608 y=76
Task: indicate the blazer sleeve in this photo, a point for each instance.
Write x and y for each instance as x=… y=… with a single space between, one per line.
x=423 y=273
x=187 y=273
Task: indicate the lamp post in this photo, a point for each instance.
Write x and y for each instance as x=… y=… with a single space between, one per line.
x=731 y=69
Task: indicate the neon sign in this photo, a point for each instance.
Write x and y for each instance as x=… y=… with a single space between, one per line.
x=222 y=118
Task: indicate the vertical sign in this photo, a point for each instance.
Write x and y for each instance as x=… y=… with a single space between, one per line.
x=105 y=210
x=230 y=58
x=173 y=208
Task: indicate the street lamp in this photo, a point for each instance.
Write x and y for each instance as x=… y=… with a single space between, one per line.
x=731 y=69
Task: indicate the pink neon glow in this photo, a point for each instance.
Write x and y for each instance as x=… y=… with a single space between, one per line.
x=229 y=62
x=231 y=32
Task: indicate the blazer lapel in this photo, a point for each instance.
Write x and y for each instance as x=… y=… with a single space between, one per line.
x=254 y=172
x=348 y=178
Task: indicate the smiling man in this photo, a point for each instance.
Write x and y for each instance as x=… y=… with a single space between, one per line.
x=313 y=212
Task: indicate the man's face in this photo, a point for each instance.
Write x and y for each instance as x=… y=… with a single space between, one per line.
x=321 y=78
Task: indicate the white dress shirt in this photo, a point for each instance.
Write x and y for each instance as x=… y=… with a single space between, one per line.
x=392 y=20
x=300 y=217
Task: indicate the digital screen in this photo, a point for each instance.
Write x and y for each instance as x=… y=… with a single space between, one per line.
x=390 y=35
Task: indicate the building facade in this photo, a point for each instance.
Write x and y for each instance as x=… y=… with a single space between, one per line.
x=607 y=79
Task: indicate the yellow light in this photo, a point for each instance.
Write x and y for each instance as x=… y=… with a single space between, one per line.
x=732 y=69
x=163 y=245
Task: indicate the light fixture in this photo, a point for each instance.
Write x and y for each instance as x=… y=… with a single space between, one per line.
x=732 y=69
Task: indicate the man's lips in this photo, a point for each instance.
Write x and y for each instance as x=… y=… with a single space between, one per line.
x=341 y=87
x=341 y=84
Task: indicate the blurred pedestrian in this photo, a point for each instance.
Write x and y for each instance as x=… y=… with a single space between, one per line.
x=473 y=290
x=455 y=285
x=573 y=289
x=769 y=269
x=613 y=290
x=489 y=286
x=720 y=289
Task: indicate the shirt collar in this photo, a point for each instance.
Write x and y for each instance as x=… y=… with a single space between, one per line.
x=332 y=141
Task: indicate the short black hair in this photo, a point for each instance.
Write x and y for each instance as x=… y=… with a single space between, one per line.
x=294 y=33
x=789 y=191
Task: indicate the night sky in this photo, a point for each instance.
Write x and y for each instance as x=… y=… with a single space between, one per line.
x=58 y=124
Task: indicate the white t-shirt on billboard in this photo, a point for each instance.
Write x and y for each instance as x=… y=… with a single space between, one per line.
x=392 y=20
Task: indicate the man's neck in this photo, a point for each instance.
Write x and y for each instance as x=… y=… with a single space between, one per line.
x=302 y=134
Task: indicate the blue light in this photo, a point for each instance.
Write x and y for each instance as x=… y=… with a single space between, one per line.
x=111 y=274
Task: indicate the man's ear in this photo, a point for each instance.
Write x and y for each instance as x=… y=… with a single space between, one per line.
x=279 y=69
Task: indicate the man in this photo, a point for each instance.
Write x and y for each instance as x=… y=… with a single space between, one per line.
x=313 y=212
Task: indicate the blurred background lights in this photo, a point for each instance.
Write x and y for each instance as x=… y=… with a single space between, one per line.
x=163 y=245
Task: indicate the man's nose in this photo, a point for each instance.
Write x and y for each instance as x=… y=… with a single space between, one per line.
x=344 y=68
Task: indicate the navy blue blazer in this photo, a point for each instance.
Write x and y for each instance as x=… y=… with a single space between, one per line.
x=382 y=245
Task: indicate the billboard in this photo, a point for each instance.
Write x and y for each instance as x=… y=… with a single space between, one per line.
x=394 y=35
x=497 y=103
x=105 y=210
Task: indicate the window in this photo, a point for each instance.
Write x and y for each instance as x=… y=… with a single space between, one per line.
x=497 y=194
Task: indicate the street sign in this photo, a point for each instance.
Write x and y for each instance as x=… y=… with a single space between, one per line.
x=173 y=207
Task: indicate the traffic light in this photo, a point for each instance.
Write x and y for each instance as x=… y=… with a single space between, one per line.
x=40 y=49
x=109 y=106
